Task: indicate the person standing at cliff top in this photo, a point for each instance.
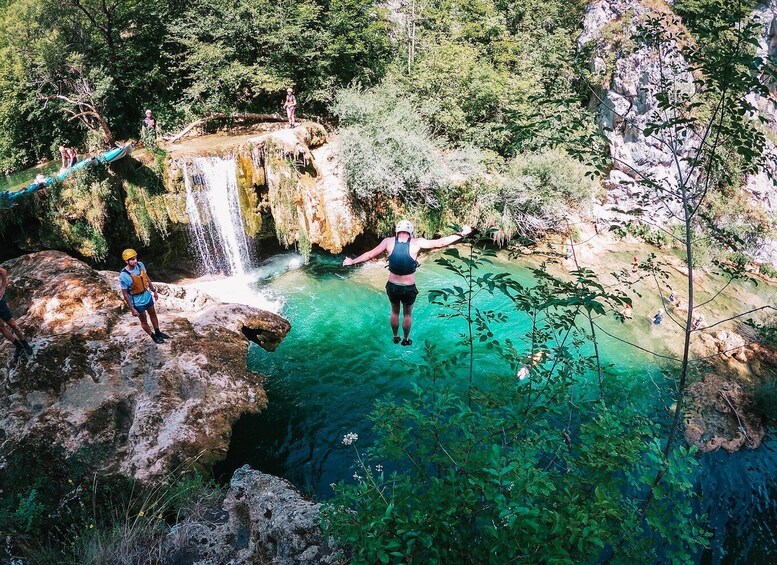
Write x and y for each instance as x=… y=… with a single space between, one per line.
x=9 y=328
x=139 y=294
x=291 y=107
x=402 y=252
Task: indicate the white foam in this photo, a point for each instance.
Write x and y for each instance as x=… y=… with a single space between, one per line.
x=239 y=289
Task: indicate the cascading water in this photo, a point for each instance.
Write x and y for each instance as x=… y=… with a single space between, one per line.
x=215 y=219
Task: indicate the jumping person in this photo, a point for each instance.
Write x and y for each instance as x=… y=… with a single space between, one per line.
x=402 y=251
x=9 y=328
x=139 y=294
x=291 y=107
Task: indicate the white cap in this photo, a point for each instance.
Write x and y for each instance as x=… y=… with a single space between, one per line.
x=404 y=226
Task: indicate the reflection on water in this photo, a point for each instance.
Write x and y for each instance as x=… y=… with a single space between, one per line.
x=21 y=179
x=338 y=359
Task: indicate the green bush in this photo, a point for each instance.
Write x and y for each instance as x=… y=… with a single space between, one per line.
x=765 y=399
x=536 y=193
x=388 y=150
x=767 y=270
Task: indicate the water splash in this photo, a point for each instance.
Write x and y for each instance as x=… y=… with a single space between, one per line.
x=216 y=221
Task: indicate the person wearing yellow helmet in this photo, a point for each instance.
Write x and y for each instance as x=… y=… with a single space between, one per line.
x=403 y=251
x=139 y=294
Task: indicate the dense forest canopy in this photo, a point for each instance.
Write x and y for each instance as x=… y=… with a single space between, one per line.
x=472 y=67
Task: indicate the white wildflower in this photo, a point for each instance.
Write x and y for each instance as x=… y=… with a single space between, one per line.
x=379 y=468
x=349 y=438
x=357 y=477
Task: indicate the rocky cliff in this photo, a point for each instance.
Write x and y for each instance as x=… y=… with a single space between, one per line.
x=626 y=75
x=96 y=381
x=289 y=180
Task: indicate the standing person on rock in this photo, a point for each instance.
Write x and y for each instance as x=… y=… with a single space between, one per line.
x=9 y=328
x=402 y=252
x=291 y=107
x=139 y=294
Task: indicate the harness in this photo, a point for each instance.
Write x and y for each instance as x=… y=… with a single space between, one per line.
x=400 y=262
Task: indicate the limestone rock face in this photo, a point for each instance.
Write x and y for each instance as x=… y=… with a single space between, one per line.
x=290 y=176
x=628 y=76
x=97 y=381
x=262 y=519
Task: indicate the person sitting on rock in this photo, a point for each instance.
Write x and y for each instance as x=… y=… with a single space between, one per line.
x=627 y=312
x=139 y=294
x=659 y=317
x=9 y=328
x=673 y=298
x=402 y=252
x=698 y=322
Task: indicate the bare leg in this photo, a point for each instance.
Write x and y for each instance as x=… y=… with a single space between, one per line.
x=7 y=332
x=407 y=319
x=144 y=323
x=394 y=318
x=16 y=329
x=154 y=320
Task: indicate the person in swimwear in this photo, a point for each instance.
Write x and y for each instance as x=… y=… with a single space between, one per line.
x=402 y=252
x=291 y=107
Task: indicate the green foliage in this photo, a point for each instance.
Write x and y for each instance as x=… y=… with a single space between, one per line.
x=312 y=45
x=764 y=397
x=493 y=469
x=649 y=234
x=767 y=270
x=535 y=193
x=475 y=67
x=57 y=510
x=388 y=149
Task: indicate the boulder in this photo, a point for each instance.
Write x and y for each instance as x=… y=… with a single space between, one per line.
x=96 y=381
x=262 y=519
x=717 y=415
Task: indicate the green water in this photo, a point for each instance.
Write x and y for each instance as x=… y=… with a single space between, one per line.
x=339 y=358
x=22 y=179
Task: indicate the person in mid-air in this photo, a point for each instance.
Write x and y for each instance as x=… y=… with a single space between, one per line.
x=402 y=252
x=139 y=294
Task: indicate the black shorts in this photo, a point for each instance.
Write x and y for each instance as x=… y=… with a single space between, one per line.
x=5 y=312
x=405 y=294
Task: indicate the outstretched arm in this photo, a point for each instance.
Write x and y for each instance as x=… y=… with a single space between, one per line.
x=445 y=241
x=366 y=256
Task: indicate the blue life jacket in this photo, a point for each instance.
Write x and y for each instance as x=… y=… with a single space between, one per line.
x=400 y=262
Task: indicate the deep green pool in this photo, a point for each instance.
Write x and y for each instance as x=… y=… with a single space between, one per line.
x=339 y=358
x=21 y=179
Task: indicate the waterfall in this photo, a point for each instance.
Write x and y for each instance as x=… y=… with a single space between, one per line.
x=215 y=219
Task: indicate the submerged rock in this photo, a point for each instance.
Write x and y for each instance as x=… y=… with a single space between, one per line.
x=262 y=519
x=96 y=381
x=717 y=416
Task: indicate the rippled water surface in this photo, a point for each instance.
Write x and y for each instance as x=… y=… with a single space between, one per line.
x=339 y=358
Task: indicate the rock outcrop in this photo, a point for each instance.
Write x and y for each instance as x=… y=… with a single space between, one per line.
x=96 y=381
x=262 y=519
x=627 y=75
x=289 y=182
x=719 y=408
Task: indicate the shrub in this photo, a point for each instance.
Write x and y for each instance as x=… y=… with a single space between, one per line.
x=765 y=399
x=535 y=194
x=388 y=149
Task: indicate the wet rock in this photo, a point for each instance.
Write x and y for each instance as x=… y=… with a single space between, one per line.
x=262 y=519
x=717 y=416
x=97 y=381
